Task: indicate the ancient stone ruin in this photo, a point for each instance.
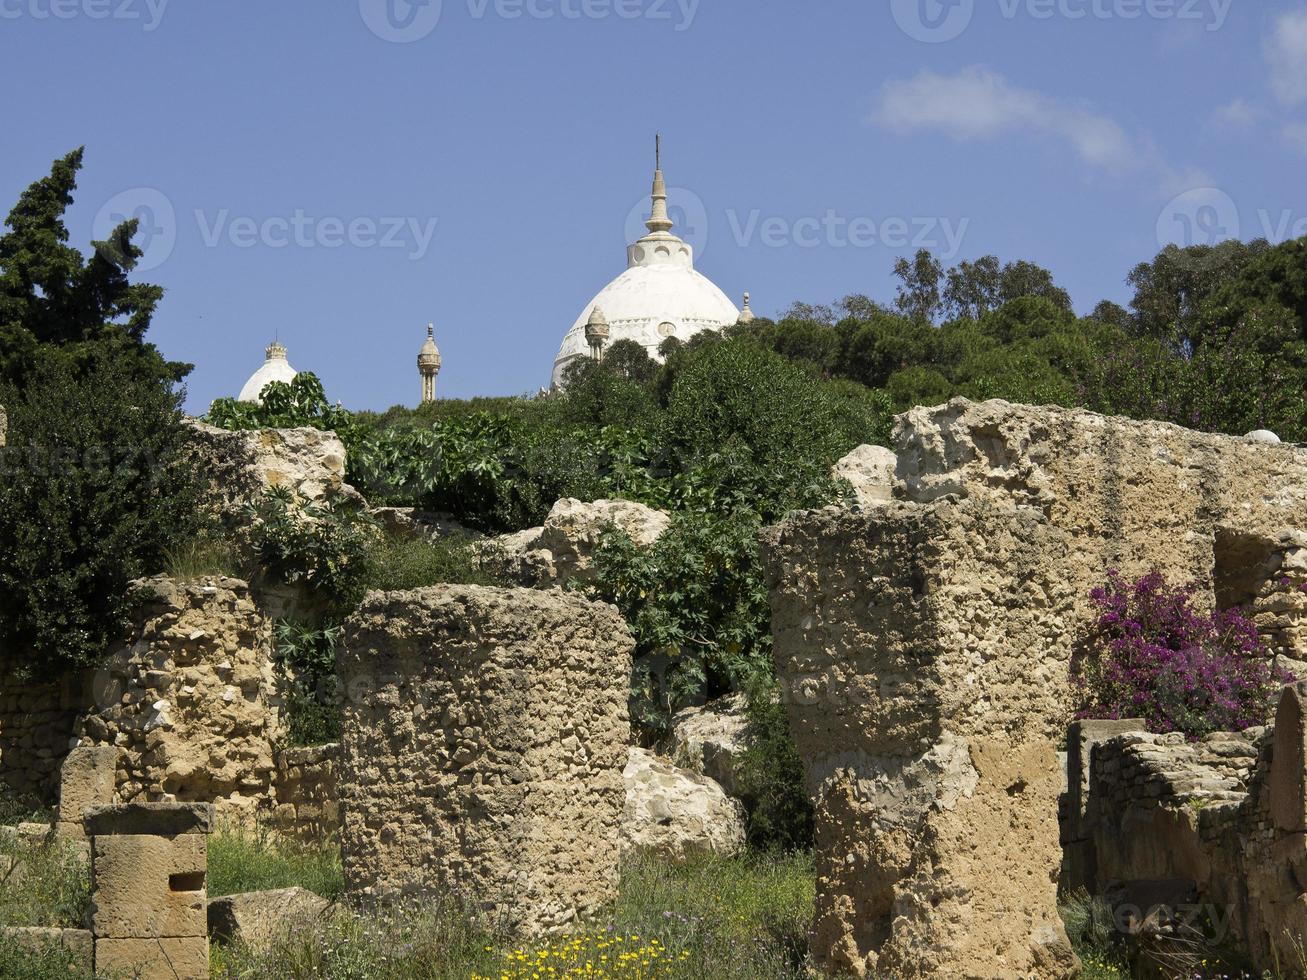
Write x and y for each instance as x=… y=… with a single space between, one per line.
x=485 y=733
x=922 y=652
x=149 y=864
x=923 y=642
x=1205 y=842
x=189 y=702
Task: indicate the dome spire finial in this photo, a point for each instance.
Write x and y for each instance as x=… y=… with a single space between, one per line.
x=659 y=221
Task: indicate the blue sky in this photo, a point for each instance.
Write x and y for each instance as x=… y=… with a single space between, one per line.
x=338 y=174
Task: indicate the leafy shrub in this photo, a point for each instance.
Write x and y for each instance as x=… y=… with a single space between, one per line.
x=300 y=403
x=402 y=562
x=94 y=491
x=325 y=548
x=306 y=663
x=698 y=609
x=1151 y=654
x=771 y=778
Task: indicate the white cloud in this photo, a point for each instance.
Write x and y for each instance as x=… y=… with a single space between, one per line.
x=978 y=104
x=1238 y=115
x=1286 y=52
x=1295 y=134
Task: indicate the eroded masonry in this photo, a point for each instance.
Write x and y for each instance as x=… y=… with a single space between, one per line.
x=923 y=642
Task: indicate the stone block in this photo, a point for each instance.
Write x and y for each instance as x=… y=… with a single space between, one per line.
x=166 y=819
x=148 y=886
x=256 y=919
x=86 y=779
x=185 y=958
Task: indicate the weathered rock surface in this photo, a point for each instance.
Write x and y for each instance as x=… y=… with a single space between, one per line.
x=508 y=708
x=922 y=652
x=870 y=470
x=561 y=550
x=1132 y=495
x=711 y=739
x=258 y=919
x=190 y=700
x=674 y=814
x=243 y=464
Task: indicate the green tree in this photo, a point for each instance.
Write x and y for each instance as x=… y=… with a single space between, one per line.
x=52 y=297
x=918 y=296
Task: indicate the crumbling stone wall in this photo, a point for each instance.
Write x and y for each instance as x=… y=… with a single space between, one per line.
x=37 y=721
x=922 y=651
x=485 y=732
x=190 y=701
x=1131 y=495
x=1217 y=827
x=308 y=797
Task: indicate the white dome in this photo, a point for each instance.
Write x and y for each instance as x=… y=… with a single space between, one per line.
x=275 y=368
x=660 y=294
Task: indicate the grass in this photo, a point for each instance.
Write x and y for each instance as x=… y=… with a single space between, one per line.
x=42 y=883
x=246 y=862
x=202 y=556
x=400 y=562
x=740 y=919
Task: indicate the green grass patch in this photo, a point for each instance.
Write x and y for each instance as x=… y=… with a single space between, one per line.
x=740 y=919
x=249 y=862
x=42 y=883
x=402 y=562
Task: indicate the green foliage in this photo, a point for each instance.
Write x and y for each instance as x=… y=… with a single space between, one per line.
x=246 y=862
x=325 y=548
x=400 y=562
x=301 y=403
x=1091 y=927
x=740 y=919
x=771 y=776
x=51 y=962
x=306 y=667
x=52 y=298
x=51 y=889
x=95 y=489
x=698 y=609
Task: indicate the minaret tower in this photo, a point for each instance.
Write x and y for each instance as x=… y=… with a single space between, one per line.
x=596 y=333
x=429 y=365
x=746 y=314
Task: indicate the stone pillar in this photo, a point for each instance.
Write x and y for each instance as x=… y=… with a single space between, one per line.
x=86 y=780
x=922 y=652
x=484 y=736
x=148 y=889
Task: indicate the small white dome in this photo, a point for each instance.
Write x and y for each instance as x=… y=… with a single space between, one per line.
x=275 y=368
x=1265 y=436
x=660 y=294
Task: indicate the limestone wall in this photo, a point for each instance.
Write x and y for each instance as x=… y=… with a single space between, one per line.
x=190 y=700
x=1207 y=842
x=922 y=651
x=485 y=733
x=37 y=722
x=307 y=792
x=1131 y=495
